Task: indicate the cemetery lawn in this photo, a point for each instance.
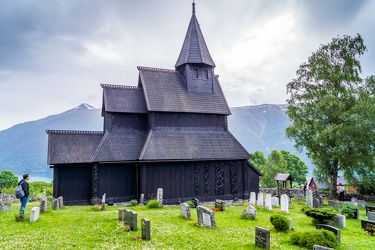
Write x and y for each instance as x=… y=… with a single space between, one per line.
x=80 y=227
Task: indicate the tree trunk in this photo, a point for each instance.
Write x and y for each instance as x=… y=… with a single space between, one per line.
x=333 y=185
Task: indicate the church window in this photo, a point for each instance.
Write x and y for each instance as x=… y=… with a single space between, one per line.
x=195 y=74
x=205 y=74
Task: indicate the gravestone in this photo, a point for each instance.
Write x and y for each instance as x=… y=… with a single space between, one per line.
x=142 y=199
x=43 y=205
x=34 y=214
x=121 y=214
x=56 y=204
x=309 y=198
x=268 y=203
x=284 y=203
x=361 y=203
x=127 y=216
x=146 y=229
x=353 y=200
x=260 y=200
x=356 y=214
x=299 y=197
x=333 y=204
x=6 y=207
x=368 y=226
x=262 y=237
x=316 y=203
x=206 y=217
x=133 y=221
x=252 y=198
x=370 y=209
x=159 y=196
x=196 y=202
x=61 y=201
x=251 y=211
x=334 y=230
x=275 y=201
x=220 y=205
x=340 y=220
x=371 y=216
x=318 y=247
x=103 y=202
x=185 y=210
x=290 y=224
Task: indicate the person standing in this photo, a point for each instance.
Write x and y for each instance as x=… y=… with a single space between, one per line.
x=341 y=189
x=25 y=187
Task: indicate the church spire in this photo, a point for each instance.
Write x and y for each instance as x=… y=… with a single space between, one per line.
x=194 y=48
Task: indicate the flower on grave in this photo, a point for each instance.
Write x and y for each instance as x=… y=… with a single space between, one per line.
x=355 y=204
x=215 y=209
x=127 y=229
x=137 y=238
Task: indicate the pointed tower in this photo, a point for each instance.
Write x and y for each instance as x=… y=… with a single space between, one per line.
x=195 y=61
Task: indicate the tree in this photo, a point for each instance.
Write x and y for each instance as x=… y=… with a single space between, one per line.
x=8 y=179
x=295 y=167
x=332 y=111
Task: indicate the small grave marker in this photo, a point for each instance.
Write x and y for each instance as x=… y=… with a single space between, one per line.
x=371 y=216
x=34 y=214
x=275 y=201
x=159 y=196
x=368 y=226
x=127 y=216
x=133 y=221
x=146 y=229
x=220 y=205
x=260 y=200
x=103 y=202
x=290 y=224
x=370 y=209
x=206 y=217
x=196 y=202
x=335 y=230
x=142 y=199
x=253 y=198
x=61 y=201
x=251 y=211
x=268 y=203
x=309 y=198
x=121 y=214
x=318 y=247
x=340 y=220
x=262 y=237
x=333 y=204
x=185 y=210
x=284 y=203
x=56 y=204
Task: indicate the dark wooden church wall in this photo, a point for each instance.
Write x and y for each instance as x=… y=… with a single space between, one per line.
x=118 y=121
x=73 y=182
x=182 y=181
x=189 y=120
x=118 y=181
x=253 y=180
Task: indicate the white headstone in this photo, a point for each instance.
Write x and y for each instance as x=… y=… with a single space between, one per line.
x=253 y=198
x=34 y=214
x=340 y=220
x=309 y=198
x=275 y=201
x=251 y=211
x=206 y=217
x=159 y=196
x=260 y=199
x=185 y=210
x=141 y=199
x=284 y=203
x=268 y=202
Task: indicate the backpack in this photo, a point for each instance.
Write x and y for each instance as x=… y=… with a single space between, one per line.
x=19 y=191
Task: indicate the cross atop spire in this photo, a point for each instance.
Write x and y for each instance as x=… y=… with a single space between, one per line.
x=193 y=7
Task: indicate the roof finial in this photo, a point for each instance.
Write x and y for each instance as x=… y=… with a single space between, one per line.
x=193 y=7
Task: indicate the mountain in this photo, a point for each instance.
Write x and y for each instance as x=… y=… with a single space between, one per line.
x=23 y=147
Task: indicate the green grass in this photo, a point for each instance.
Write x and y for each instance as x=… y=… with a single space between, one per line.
x=79 y=227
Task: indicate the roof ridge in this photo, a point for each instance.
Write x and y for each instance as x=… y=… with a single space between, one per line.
x=157 y=69
x=72 y=131
x=117 y=86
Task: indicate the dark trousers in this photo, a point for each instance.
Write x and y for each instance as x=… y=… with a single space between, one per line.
x=341 y=196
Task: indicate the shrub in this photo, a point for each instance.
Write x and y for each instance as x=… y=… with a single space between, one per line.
x=347 y=209
x=320 y=215
x=133 y=203
x=280 y=222
x=152 y=204
x=317 y=237
x=191 y=204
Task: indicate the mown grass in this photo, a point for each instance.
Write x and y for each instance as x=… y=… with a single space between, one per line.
x=79 y=227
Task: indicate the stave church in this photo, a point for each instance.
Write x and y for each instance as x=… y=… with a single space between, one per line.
x=170 y=132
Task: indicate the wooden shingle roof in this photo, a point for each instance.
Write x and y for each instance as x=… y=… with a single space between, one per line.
x=165 y=91
x=124 y=99
x=194 y=48
x=283 y=177
x=191 y=144
x=124 y=146
x=72 y=146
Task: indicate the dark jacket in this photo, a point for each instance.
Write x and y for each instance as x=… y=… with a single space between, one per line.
x=25 y=187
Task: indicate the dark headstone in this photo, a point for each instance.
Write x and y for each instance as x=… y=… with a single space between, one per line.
x=333 y=204
x=220 y=205
x=146 y=229
x=121 y=214
x=356 y=214
x=196 y=202
x=316 y=203
x=127 y=217
x=262 y=237
x=133 y=221
x=370 y=209
x=334 y=230
x=368 y=226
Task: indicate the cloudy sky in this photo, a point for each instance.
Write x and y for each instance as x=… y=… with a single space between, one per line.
x=54 y=54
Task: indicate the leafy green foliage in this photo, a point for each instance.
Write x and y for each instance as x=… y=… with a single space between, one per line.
x=152 y=204
x=133 y=203
x=191 y=204
x=281 y=223
x=37 y=187
x=295 y=167
x=317 y=237
x=8 y=179
x=332 y=110
x=320 y=215
x=348 y=209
